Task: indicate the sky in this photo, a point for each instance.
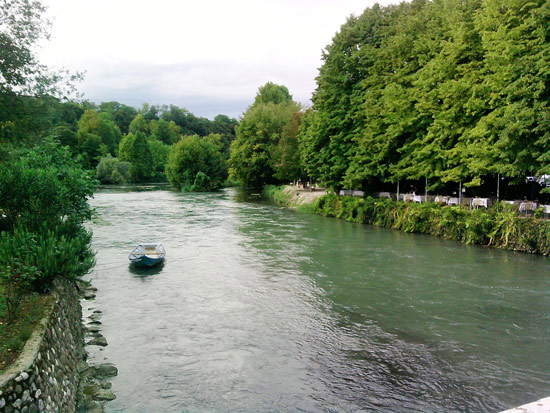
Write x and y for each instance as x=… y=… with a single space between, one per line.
x=209 y=56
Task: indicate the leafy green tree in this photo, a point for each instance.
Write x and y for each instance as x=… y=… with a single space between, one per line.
x=196 y=164
x=121 y=114
x=287 y=156
x=44 y=186
x=165 y=131
x=150 y=112
x=272 y=93
x=452 y=91
x=22 y=26
x=135 y=149
x=113 y=171
x=226 y=127
x=100 y=125
x=140 y=125
x=66 y=136
x=159 y=154
x=253 y=152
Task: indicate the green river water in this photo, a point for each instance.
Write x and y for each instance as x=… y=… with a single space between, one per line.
x=263 y=309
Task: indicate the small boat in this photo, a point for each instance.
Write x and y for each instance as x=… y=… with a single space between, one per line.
x=147 y=255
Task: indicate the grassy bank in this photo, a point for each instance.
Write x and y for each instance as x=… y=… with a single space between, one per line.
x=14 y=335
x=499 y=226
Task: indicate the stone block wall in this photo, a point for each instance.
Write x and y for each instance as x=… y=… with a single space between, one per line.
x=45 y=376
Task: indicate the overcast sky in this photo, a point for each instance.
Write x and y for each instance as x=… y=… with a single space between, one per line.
x=209 y=56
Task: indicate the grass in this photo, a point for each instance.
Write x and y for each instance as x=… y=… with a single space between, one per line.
x=14 y=335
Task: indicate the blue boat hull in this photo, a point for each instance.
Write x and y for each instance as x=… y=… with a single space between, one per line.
x=145 y=261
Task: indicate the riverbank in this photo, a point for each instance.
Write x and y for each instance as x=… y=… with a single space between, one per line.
x=498 y=226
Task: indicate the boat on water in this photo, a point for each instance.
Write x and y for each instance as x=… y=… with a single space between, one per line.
x=147 y=255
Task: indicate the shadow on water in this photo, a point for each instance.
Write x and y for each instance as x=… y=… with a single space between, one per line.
x=143 y=272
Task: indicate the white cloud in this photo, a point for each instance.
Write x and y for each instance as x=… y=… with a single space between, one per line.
x=194 y=53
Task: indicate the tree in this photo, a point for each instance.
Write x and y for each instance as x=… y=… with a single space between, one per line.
x=135 y=149
x=113 y=171
x=253 y=152
x=287 y=156
x=452 y=90
x=22 y=26
x=159 y=154
x=121 y=114
x=272 y=93
x=165 y=131
x=140 y=125
x=44 y=186
x=196 y=164
x=99 y=124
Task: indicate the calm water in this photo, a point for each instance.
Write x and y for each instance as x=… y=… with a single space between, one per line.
x=262 y=309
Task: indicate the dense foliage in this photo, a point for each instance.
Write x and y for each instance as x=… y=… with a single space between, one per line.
x=43 y=206
x=44 y=186
x=113 y=171
x=449 y=90
x=196 y=164
x=264 y=150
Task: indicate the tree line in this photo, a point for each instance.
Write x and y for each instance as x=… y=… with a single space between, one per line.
x=443 y=92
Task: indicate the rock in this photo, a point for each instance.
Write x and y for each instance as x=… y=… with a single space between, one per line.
x=22 y=377
x=104 y=395
x=105 y=370
x=98 y=341
x=88 y=295
x=93 y=329
x=82 y=367
x=105 y=385
x=94 y=322
x=95 y=317
x=90 y=389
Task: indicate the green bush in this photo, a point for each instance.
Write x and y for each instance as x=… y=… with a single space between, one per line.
x=196 y=164
x=44 y=186
x=499 y=226
x=45 y=255
x=113 y=171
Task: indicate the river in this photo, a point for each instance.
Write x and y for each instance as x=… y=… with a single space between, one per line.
x=263 y=309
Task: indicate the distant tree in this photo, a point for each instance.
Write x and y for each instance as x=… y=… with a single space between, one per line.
x=165 y=131
x=150 y=112
x=195 y=164
x=287 y=165
x=113 y=171
x=253 y=159
x=159 y=154
x=66 y=136
x=226 y=127
x=140 y=125
x=121 y=114
x=100 y=125
x=272 y=93
x=134 y=148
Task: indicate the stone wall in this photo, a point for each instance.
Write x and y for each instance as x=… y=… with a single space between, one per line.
x=45 y=376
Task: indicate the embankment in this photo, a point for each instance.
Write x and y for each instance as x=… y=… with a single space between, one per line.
x=44 y=378
x=499 y=226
